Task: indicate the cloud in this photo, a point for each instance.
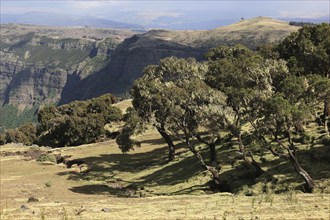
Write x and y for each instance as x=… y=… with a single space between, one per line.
x=154 y=15
x=86 y=4
x=302 y=14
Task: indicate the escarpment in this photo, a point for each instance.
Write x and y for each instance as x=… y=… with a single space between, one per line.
x=40 y=65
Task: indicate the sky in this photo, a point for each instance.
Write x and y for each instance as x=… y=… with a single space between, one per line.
x=149 y=12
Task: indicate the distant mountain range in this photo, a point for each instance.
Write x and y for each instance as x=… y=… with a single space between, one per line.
x=183 y=21
x=53 y=19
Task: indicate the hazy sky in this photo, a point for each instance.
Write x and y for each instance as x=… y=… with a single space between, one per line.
x=135 y=11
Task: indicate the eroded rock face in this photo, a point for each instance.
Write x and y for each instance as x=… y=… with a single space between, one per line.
x=33 y=85
x=127 y=63
x=37 y=69
x=41 y=65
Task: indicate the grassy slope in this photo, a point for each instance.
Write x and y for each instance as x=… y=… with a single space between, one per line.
x=169 y=190
x=104 y=187
x=251 y=32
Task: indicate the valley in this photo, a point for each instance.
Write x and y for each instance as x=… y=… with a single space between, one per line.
x=42 y=65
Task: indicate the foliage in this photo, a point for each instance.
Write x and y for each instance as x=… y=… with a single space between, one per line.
x=133 y=125
x=300 y=23
x=46 y=158
x=260 y=99
x=78 y=122
x=311 y=43
x=247 y=79
x=25 y=134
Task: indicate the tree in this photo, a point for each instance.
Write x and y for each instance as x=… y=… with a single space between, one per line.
x=175 y=99
x=151 y=106
x=30 y=132
x=246 y=79
x=133 y=125
x=319 y=94
x=26 y=134
x=308 y=53
x=78 y=122
x=308 y=50
x=278 y=120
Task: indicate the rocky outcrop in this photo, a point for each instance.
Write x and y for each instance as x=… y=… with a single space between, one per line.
x=35 y=85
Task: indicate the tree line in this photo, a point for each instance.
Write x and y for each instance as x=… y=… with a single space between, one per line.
x=258 y=100
x=76 y=123
x=261 y=99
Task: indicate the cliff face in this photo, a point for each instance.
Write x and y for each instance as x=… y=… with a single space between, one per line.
x=131 y=56
x=127 y=63
x=35 y=68
x=33 y=85
x=41 y=65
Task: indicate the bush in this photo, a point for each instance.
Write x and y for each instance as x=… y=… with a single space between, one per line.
x=3 y=139
x=29 y=130
x=26 y=134
x=79 y=122
x=46 y=158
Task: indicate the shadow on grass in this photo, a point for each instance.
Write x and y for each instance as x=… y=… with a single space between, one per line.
x=102 y=189
x=151 y=168
x=159 y=141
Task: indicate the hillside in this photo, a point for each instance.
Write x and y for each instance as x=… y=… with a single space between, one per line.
x=57 y=65
x=135 y=53
x=127 y=186
x=40 y=65
x=251 y=33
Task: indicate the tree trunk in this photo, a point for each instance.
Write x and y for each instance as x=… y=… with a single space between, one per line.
x=211 y=169
x=254 y=163
x=326 y=113
x=327 y=106
x=171 y=147
x=303 y=173
x=213 y=154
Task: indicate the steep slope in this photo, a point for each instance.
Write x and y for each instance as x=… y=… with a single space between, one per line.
x=38 y=63
x=130 y=58
x=57 y=65
x=127 y=63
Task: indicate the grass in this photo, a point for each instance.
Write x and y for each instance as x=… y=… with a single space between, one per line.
x=250 y=32
x=169 y=190
x=141 y=184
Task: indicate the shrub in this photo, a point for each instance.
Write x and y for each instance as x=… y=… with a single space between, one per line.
x=3 y=139
x=46 y=158
x=79 y=122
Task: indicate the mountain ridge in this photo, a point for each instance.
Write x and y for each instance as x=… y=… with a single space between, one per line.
x=57 y=19
x=59 y=65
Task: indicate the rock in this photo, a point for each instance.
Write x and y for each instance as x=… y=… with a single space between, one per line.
x=79 y=211
x=84 y=168
x=74 y=166
x=32 y=199
x=106 y=210
x=23 y=207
